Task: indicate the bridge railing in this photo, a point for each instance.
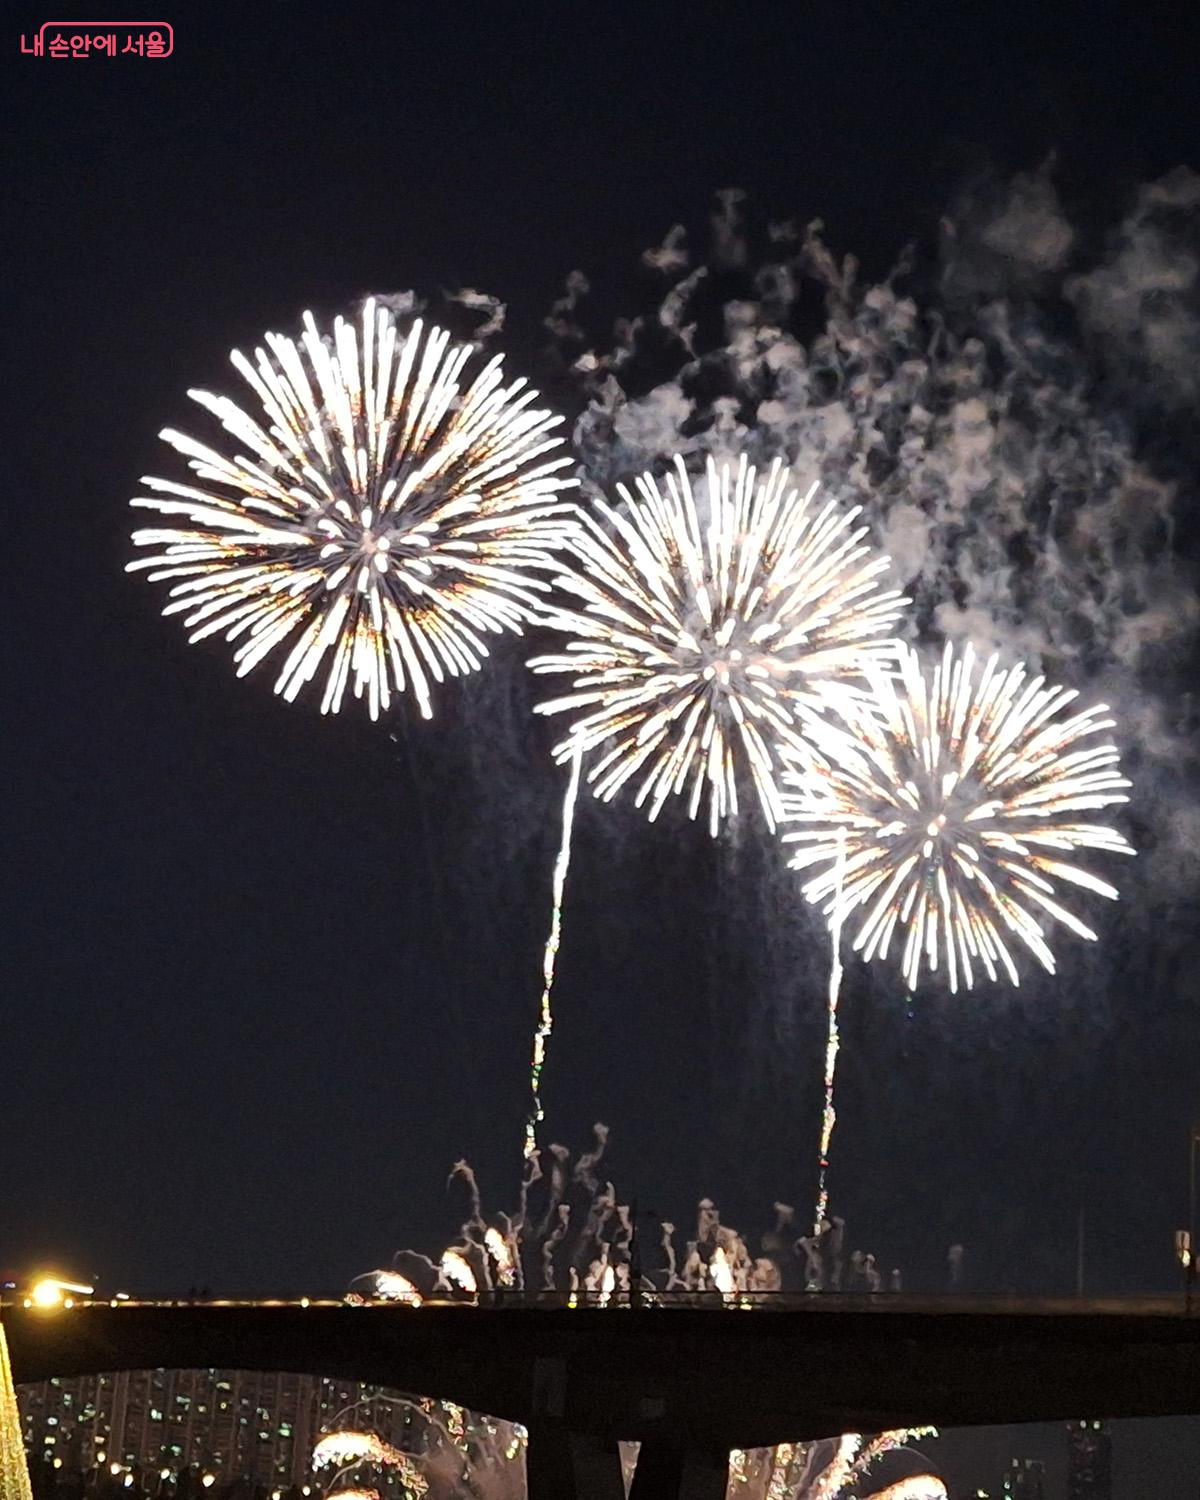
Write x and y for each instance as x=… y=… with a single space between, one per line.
x=513 y=1298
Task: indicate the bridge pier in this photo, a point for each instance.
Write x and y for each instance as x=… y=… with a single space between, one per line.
x=668 y=1473
x=561 y=1465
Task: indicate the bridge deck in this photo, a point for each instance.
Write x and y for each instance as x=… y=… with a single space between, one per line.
x=709 y=1378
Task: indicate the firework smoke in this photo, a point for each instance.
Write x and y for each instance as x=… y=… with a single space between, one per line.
x=1014 y=414
x=997 y=471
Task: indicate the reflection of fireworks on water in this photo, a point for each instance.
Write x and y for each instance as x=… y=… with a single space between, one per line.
x=829 y=1470
x=337 y=1449
x=958 y=801
x=349 y=1451
x=703 y=613
x=570 y=1233
x=371 y=512
x=446 y=1452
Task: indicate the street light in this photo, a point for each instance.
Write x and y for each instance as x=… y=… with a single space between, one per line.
x=50 y=1291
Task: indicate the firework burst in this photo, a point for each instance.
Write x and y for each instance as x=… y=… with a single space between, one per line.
x=702 y=615
x=371 y=517
x=956 y=797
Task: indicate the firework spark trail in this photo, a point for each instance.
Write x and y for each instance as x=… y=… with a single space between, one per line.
x=545 y=1025
x=705 y=614
x=832 y=1039
x=384 y=518
x=706 y=611
x=14 y=1471
x=593 y=1256
x=957 y=799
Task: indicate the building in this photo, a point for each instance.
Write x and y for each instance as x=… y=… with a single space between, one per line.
x=232 y=1424
x=1089 y=1461
x=1025 y=1480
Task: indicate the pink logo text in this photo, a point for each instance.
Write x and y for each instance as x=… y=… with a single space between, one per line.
x=111 y=38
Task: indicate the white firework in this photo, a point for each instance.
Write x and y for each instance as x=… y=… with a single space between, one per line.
x=952 y=800
x=702 y=618
x=371 y=514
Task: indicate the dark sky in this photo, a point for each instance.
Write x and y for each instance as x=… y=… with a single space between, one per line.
x=270 y=975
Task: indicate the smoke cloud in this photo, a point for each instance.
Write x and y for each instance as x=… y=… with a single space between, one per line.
x=1010 y=408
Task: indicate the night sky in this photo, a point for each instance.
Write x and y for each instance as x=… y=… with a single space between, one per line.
x=270 y=975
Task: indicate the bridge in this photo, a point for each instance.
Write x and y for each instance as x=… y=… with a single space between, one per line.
x=689 y=1382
